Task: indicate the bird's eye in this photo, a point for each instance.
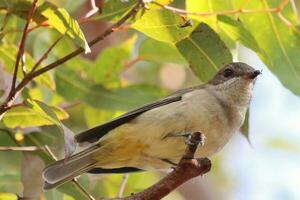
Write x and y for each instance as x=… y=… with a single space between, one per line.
x=228 y=72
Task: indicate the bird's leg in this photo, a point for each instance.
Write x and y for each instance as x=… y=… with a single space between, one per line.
x=199 y=142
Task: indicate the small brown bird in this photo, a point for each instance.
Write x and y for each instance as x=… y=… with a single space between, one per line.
x=153 y=136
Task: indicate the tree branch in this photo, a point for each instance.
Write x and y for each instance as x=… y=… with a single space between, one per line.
x=26 y=148
x=30 y=76
x=45 y=55
x=22 y=46
x=188 y=168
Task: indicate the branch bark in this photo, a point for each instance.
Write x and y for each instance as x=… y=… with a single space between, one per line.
x=188 y=168
x=22 y=46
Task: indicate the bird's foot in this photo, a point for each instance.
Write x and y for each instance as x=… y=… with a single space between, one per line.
x=199 y=142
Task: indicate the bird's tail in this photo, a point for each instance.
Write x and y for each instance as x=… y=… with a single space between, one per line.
x=65 y=170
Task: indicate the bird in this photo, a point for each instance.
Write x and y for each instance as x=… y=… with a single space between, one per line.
x=152 y=137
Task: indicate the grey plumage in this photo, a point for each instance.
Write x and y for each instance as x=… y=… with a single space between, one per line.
x=151 y=137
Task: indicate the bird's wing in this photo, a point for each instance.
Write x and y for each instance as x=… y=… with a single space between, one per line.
x=94 y=134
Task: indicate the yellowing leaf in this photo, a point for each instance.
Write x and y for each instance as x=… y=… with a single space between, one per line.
x=25 y=117
x=60 y=19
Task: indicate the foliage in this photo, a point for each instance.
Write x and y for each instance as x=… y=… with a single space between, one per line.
x=83 y=93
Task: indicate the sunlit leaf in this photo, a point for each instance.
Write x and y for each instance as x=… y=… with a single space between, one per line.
x=207 y=6
x=280 y=42
x=58 y=18
x=205 y=52
x=163 y=25
x=211 y=6
x=237 y=32
x=8 y=55
x=45 y=111
x=8 y=196
x=25 y=117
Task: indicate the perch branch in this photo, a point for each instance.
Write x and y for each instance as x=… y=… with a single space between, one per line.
x=187 y=168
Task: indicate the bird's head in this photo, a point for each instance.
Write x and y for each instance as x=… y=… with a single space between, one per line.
x=235 y=82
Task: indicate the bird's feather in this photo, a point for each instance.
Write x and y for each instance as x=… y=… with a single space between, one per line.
x=94 y=134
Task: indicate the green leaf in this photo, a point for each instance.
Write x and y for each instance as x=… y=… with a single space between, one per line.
x=26 y=117
x=245 y=127
x=110 y=63
x=58 y=18
x=10 y=166
x=237 y=32
x=115 y=9
x=211 y=6
x=70 y=189
x=8 y=55
x=163 y=25
x=46 y=112
x=72 y=87
x=207 y=6
x=152 y=50
x=280 y=42
x=205 y=52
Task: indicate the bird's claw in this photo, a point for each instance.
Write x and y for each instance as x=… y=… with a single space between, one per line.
x=199 y=142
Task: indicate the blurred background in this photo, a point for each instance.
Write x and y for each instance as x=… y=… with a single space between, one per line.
x=266 y=165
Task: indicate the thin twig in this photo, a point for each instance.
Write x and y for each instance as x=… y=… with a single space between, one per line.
x=123 y=185
x=45 y=55
x=74 y=180
x=22 y=46
x=30 y=76
x=223 y=12
x=11 y=148
x=130 y=63
x=110 y=30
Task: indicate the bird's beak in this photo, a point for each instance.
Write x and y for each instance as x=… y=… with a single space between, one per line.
x=252 y=75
